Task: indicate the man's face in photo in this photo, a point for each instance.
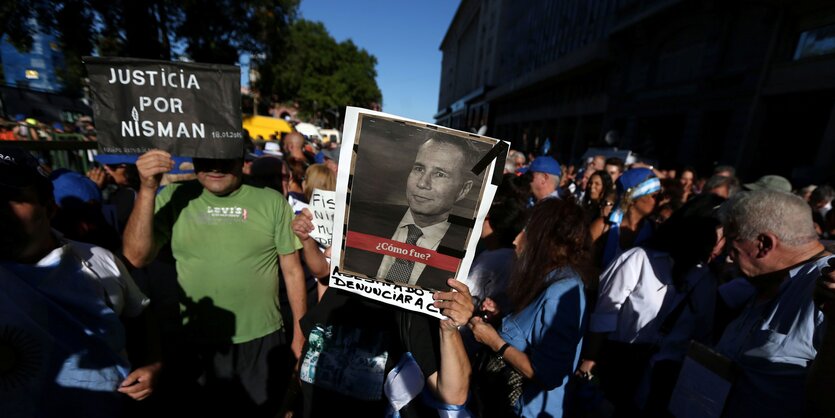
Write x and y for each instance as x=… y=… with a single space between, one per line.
x=437 y=180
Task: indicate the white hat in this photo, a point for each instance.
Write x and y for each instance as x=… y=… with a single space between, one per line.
x=272 y=148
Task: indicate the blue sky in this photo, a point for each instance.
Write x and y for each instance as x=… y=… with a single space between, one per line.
x=403 y=35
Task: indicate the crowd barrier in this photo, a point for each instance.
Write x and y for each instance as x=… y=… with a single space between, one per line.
x=68 y=151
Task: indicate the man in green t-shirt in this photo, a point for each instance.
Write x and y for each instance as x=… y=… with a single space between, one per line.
x=228 y=241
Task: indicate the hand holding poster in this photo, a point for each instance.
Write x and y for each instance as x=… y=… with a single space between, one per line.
x=410 y=203
x=322 y=205
x=187 y=109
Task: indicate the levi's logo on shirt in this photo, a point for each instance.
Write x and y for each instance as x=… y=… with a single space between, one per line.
x=227 y=212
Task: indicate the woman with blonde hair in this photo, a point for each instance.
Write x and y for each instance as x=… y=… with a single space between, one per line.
x=318 y=176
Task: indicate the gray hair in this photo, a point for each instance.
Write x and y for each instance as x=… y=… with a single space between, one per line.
x=512 y=155
x=783 y=214
x=509 y=166
x=716 y=181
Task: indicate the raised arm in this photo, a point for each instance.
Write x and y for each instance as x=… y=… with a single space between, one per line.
x=291 y=269
x=451 y=383
x=313 y=257
x=138 y=238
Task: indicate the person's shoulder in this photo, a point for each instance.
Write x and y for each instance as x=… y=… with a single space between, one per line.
x=94 y=257
x=822 y=262
x=86 y=250
x=598 y=227
x=564 y=277
x=639 y=254
x=261 y=191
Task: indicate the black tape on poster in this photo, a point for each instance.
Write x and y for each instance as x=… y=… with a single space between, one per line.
x=452 y=252
x=187 y=109
x=498 y=150
x=461 y=221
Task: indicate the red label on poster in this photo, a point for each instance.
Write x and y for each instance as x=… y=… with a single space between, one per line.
x=401 y=250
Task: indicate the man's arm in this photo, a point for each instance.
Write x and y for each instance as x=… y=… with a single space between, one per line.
x=451 y=383
x=138 y=238
x=142 y=381
x=291 y=269
x=316 y=261
x=821 y=382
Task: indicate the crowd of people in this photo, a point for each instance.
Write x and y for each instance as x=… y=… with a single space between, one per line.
x=23 y=128
x=610 y=289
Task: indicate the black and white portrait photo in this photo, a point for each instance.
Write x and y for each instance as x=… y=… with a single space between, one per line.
x=413 y=201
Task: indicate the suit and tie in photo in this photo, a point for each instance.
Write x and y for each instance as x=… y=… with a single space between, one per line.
x=438 y=179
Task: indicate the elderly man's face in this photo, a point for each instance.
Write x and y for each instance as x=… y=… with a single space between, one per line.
x=436 y=181
x=744 y=253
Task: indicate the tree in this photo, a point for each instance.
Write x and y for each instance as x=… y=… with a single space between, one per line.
x=321 y=74
x=215 y=31
x=297 y=60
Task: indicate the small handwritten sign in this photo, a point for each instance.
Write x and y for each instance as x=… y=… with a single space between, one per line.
x=322 y=205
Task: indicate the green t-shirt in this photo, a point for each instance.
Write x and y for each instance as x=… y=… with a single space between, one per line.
x=226 y=250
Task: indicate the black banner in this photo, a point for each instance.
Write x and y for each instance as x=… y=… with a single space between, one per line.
x=187 y=109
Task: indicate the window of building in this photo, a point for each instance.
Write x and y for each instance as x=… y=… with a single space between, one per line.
x=816 y=42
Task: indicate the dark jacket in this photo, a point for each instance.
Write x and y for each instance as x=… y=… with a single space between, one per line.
x=381 y=220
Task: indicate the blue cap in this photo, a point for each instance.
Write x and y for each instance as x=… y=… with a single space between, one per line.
x=545 y=165
x=19 y=168
x=632 y=178
x=71 y=185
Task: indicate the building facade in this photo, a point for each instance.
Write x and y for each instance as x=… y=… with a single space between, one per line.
x=33 y=69
x=681 y=82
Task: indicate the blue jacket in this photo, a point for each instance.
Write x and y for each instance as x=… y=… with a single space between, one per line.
x=550 y=331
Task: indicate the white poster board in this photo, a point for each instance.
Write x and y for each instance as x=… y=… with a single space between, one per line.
x=411 y=199
x=322 y=205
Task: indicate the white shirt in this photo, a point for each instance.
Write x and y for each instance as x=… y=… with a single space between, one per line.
x=631 y=295
x=59 y=306
x=104 y=269
x=431 y=238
